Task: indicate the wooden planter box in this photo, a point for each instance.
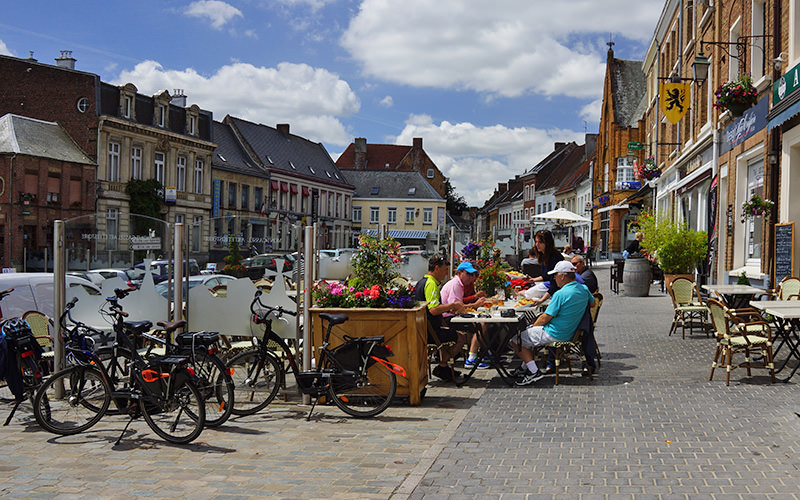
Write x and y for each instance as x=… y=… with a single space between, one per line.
x=405 y=331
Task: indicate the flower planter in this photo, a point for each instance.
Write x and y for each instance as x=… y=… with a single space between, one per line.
x=738 y=109
x=404 y=330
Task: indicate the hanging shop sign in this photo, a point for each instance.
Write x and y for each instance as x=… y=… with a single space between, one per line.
x=674 y=100
x=785 y=85
x=744 y=127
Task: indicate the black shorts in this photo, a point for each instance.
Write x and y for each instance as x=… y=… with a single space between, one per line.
x=445 y=335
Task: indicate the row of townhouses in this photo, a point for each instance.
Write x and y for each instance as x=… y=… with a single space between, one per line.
x=71 y=147
x=706 y=159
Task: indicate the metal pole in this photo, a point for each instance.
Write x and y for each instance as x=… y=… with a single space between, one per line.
x=177 y=266
x=452 y=251
x=45 y=259
x=59 y=287
x=308 y=249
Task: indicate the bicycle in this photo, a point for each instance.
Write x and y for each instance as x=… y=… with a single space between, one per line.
x=354 y=375
x=213 y=377
x=161 y=389
x=24 y=374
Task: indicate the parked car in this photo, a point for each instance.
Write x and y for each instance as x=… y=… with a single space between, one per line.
x=132 y=277
x=87 y=275
x=161 y=269
x=34 y=292
x=207 y=280
x=336 y=252
x=267 y=261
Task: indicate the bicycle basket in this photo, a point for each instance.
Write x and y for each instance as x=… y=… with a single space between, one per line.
x=197 y=339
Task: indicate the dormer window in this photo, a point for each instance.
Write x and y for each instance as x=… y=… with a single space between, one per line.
x=126 y=107
x=162 y=116
x=374 y=191
x=412 y=191
x=192 y=125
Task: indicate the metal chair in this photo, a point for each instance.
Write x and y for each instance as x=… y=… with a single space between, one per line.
x=688 y=305
x=737 y=333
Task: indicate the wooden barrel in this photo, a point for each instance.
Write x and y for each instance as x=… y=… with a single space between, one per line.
x=636 y=277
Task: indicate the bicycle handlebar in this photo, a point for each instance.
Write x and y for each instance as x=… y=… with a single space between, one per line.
x=260 y=315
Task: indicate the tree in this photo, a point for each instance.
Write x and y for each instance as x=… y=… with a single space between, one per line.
x=455 y=202
x=146 y=198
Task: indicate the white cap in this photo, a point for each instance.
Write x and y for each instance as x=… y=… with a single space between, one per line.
x=563 y=266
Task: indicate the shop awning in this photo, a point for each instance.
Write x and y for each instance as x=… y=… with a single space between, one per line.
x=285 y=187
x=293 y=188
x=619 y=206
x=781 y=115
x=641 y=193
x=274 y=185
x=404 y=234
x=305 y=191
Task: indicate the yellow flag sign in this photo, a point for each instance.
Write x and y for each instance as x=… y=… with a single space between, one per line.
x=674 y=100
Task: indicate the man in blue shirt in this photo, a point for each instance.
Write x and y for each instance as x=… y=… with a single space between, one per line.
x=558 y=322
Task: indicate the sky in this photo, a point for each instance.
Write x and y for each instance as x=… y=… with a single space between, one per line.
x=489 y=85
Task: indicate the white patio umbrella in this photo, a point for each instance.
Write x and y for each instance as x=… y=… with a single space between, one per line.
x=562 y=214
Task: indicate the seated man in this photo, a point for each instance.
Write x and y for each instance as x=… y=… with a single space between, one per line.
x=558 y=322
x=453 y=291
x=589 y=278
x=429 y=289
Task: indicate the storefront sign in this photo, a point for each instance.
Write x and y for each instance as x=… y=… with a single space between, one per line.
x=752 y=121
x=170 y=194
x=629 y=185
x=785 y=85
x=674 y=100
x=784 y=251
x=635 y=146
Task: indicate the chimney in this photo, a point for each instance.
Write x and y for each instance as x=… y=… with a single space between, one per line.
x=560 y=145
x=360 y=154
x=417 y=144
x=591 y=144
x=65 y=60
x=178 y=98
x=417 y=160
x=283 y=128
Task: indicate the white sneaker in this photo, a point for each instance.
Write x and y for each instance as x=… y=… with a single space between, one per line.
x=531 y=378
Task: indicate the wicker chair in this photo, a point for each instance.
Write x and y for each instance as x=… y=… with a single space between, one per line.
x=40 y=326
x=689 y=306
x=788 y=289
x=740 y=332
x=595 y=311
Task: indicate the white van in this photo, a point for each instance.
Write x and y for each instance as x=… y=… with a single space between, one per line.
x=34 y=292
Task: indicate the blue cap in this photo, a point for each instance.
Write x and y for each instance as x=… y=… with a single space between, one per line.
x=467 y=266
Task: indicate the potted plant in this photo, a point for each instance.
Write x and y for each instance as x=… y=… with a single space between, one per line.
x=233 y=261
x=736 y=95
x=755 y=207
x=677 y=248
x=492 y=269
x=374 y=307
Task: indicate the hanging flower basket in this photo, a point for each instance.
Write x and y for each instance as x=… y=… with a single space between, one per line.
x=736 y=96
x=755 y=207
x=647 y=171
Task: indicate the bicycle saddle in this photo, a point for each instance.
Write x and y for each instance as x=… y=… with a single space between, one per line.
x=138 y=326
x=334 y=319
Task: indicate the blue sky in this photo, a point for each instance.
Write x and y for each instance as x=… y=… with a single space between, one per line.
x=488 y=85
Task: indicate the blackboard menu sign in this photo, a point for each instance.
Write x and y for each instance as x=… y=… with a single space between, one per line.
x=784 y=251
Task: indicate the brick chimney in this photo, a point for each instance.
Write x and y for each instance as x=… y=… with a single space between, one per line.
x=283 y=128
x=65 y=60
x=360 y=153
x=417 y=158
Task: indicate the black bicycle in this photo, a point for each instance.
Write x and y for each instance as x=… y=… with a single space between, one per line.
x=354 y=375
x=24 y=373
x=161 y=390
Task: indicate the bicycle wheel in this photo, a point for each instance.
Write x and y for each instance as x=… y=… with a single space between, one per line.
x=364 y=395
x=256 y=381
x=85 y=399
x=216 y=386
x=178 y=417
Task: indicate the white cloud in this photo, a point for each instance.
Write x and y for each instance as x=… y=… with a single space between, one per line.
x=591 y=112
x=219 y=13
x=506 y=47
x=476 y=158
x=314 y=5
x=4 y=50
x=310 y=99
x=387 y=101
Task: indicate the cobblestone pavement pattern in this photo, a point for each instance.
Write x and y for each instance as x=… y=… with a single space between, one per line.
x=650 y=425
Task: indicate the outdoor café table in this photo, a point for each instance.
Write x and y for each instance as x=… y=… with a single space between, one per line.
x=735 y=296
x=509 y=329
x=787 y=316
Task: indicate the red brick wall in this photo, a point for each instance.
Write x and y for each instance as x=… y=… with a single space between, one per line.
x=50 y=93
